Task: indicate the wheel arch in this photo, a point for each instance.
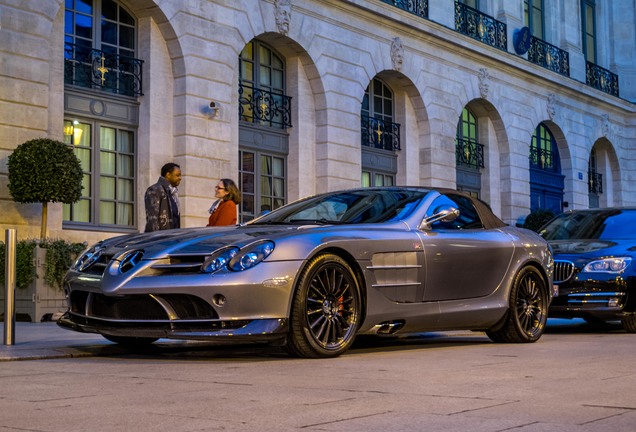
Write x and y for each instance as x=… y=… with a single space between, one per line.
x=358 y=273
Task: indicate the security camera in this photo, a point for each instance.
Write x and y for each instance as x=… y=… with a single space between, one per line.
x=214 y=108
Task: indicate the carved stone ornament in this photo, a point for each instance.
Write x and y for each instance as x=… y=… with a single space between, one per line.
x=397 y=53
x=551 y=106
x=283 y=15
x=605 y=125
x=484 y=86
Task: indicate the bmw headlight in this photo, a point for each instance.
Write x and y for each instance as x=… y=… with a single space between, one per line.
x=219 y=259
x=608 y=265
x=251 y=255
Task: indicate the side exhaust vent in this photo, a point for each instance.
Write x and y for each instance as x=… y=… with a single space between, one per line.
x=388 y=327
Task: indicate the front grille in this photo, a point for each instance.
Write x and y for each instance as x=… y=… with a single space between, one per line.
x=141 y=307
x=563 y=271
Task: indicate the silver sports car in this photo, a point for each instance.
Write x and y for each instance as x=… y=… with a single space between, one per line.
x=317 y=272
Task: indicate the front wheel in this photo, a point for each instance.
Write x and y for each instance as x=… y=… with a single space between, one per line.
x=527 y=309
x=325 y=313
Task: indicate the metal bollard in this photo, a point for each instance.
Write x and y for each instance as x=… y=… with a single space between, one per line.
x=9 y=286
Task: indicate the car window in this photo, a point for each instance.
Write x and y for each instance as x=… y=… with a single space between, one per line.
x=594 y=225
x=348 y=207
x=468 y=217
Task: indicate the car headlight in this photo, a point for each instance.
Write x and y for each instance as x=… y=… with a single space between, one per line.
x=608 y=265
x=88 y=257
x=219 y=259
x=251 y=255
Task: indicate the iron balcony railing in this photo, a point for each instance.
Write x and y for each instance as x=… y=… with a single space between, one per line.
x=480 y=26
x=549 y=56
x=469 y=153
x=96 y=69
x=416 y=7
x=595 y=182
x=542 y=159
x=601 y=79
x=264 y=107
x=381 y=134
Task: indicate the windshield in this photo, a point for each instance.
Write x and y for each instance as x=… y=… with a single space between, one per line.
x=592 y=225
x=348 y=207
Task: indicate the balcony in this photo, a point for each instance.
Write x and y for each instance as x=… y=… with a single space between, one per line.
x=479 y=26
x=601 y=79
x=416 y=7
x=264 y=107
x=549 y=56
x=95 y=69
x=595 y=182
x=380 y=134
x=542 y=159
x=469 y=153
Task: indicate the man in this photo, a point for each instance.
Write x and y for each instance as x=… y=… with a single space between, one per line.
x=162 y=200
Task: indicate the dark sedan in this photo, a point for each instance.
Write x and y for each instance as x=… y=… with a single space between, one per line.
x=595 y=276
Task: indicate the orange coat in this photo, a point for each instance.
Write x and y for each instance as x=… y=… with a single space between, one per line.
x=224 y=214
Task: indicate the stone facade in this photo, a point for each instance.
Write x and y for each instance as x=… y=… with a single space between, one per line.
x=332 y=51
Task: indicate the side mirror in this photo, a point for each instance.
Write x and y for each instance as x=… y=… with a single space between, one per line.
x=444 y=213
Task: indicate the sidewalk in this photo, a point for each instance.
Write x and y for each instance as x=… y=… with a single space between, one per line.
x=33 y=341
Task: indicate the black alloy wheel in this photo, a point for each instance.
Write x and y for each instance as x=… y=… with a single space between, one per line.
x=528 y=309
x=326 y=308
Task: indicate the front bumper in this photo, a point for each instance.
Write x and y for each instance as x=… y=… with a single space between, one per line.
x=602 y=299
x=259 y=330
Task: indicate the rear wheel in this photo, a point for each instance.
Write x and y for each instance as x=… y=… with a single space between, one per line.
x=325 y=313
x=130 y=341
x=527 y=312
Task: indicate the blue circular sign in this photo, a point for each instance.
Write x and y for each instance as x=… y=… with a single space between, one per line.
x=521 y=40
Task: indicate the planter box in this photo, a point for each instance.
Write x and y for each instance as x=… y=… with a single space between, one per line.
x=39 y=301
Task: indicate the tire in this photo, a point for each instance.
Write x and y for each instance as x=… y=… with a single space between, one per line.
x=326 y=309
x=527 y=312
x=629 y=324
x=130 y=342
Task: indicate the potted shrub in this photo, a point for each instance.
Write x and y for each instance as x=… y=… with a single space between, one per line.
x=537 y=218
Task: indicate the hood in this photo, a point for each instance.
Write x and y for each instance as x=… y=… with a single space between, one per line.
x=595 y=247
x=159 y=244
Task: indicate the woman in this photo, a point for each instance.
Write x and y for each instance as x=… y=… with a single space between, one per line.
x=224 y=211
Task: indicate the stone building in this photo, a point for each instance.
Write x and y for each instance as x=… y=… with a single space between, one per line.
x=527 y=104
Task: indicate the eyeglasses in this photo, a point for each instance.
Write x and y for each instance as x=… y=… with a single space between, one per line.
x=219 y=188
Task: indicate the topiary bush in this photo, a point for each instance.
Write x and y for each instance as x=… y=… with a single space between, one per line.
x=537 y=218
x=42 y=171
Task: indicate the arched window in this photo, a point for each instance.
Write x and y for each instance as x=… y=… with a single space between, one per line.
x=264 y=113
x=469 y=154
x=99 y=47
x=262 y=98
x=100 y=44
x=380 y=136
x=546 y=181
x=544 y=154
